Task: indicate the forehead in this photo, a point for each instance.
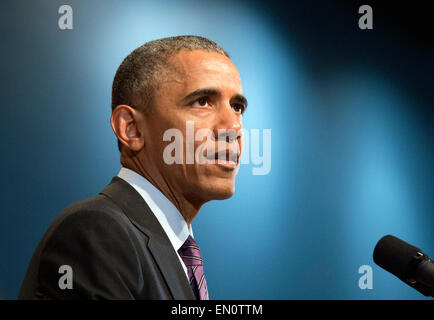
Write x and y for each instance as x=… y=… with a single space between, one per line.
x=199 y=68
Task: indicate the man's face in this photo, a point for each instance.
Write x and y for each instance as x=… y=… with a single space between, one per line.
x=205 y=90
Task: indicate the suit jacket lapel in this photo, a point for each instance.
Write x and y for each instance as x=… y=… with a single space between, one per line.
x=136 y=209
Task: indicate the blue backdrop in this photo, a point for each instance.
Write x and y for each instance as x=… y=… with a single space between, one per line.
x=350 y=113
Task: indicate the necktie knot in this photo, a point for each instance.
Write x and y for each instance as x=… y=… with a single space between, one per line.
x=190 y=252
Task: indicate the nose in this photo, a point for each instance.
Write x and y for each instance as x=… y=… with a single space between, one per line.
x=228 y=123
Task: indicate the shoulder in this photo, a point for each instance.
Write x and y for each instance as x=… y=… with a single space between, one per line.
x=96 y=240
x=92 y=222
x=98 y=210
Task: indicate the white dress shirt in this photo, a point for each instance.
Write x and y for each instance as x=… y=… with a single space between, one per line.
x=165 y=211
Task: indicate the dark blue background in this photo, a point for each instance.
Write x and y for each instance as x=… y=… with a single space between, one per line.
x=352 y=135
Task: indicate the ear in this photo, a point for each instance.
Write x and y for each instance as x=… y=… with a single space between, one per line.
x=125 y=124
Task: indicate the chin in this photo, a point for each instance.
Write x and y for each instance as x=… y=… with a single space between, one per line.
x=223 y=195
x=218 y=190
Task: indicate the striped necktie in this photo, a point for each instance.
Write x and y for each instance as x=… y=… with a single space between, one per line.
x=192 y=258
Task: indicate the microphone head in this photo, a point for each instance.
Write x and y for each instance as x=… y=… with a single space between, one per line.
x=395 y=255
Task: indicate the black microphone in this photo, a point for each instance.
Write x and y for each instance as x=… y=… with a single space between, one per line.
x=406 y=262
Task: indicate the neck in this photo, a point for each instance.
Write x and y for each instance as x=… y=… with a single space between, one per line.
x=188 y=207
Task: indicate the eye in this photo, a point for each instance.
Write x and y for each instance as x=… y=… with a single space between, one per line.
x=201 y=102
x=238 y=107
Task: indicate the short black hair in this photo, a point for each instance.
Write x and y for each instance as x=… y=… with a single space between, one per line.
x=138 y=75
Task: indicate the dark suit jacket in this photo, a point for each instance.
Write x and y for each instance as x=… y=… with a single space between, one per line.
x=116 y=248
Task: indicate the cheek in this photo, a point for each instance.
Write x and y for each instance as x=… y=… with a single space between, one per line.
x=157 y=126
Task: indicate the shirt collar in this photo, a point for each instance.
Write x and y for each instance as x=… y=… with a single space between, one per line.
x=165 y=211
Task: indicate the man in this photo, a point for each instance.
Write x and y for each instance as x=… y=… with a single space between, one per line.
x=134 y=239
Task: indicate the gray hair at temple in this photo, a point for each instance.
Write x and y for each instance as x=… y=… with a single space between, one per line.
x=141 y=72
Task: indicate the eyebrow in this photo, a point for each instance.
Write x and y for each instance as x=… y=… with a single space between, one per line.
x=212 y=92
